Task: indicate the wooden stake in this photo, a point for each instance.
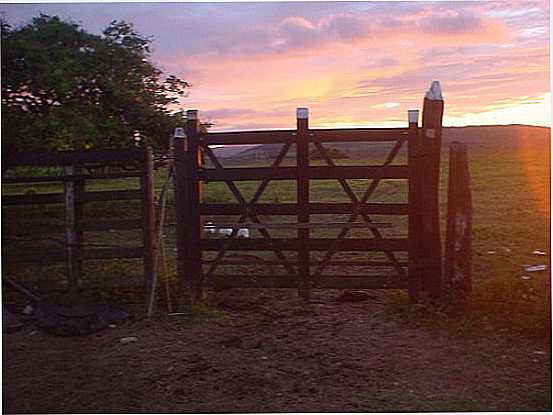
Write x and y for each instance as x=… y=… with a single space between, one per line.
x=415 y=207
x=184 y=278
x=302 y=183
x=433 y=109
x=73 y=237
x=149 y=226
x=458 y=245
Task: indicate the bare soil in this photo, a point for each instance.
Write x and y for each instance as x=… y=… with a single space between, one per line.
x=273 y=353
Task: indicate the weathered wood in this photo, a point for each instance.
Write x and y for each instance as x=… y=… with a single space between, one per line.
x=433 y=108
x=312 y=263
x=66 y=178
x=313 y=172
x=73 y=237
x=358 y=134
x=64 y=158
x=415 y=204
x=337 y=282
x=107 y=196
x=458 y=246
x=194 y=225
x=90 y=225
x=184 y=280
x=27 y=230
x=33 y=199
x=314 y=244
x=314 y=208
x=149 y=239
x=51 y=256
x=248 y=137
x=302 y=195
x=302 y=225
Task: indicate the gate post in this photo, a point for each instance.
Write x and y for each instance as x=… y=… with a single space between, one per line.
x=302 y=189
x=184 y=278
x=73 y=236
x=415 y=207
x=194 y=218
x=149 y=227
x=458 y=241
x=433 y=109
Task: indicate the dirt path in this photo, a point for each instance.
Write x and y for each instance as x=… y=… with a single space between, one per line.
x=272 y=354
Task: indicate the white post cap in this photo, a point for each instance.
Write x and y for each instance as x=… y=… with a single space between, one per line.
x=179 y=133
x=192 y=115
x=413 y=116
x=435 y=92
x=302 y=113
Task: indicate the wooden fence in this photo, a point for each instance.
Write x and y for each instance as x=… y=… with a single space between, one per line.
x=78 y=169
x=458 y=247
x=423 y=269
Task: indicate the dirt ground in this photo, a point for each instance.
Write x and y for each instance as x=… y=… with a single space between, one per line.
x=272 y=353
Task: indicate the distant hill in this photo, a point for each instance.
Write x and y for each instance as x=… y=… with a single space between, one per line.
x=477 y=137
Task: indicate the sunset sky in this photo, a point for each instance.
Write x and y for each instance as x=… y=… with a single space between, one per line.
x=351 y=63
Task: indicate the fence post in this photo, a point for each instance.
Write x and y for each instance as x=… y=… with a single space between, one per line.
x=73 y=237
x=148 y=224
x=433 y=109
x=184 y=278
x=415 y=190
x=194 y=225
x=458 y=242
x=302 y=189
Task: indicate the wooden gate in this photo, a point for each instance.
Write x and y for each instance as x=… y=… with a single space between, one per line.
x=422 y=270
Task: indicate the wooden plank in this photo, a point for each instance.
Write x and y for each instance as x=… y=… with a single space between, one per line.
x=37 y=256
x=295 y=225
x=33 y=199
x=181 y=211
x=50 y=256
x=433 y=109
x=68 y=178
x=33 y=228
x=248 y=137
x=288 y=244
x=113 y=224
x=113 y=253
x=358 y=134
x=415 y=203
x=337 y=282
x=302 y=196
x=361 y=282
x=73 y=237
x=314 y=208
x=242 y=281
x=313 y=172
x=74 y=157
x=54 y=198
x=458 y=244
x=193 y=219
x=112 y=195
x=311 y=263
x=149 y=239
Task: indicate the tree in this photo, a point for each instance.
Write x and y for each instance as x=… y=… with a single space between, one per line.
x=66 y=89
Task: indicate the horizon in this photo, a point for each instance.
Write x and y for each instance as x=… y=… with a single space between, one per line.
x=359 y=64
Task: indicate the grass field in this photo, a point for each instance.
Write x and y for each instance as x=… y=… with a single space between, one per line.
x=510 y=186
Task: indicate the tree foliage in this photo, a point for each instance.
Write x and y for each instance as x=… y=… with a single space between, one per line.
x=66 y=89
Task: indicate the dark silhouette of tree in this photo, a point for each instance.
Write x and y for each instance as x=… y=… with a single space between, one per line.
x=66 y=89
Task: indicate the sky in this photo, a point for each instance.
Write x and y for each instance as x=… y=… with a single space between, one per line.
x=352 y=64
